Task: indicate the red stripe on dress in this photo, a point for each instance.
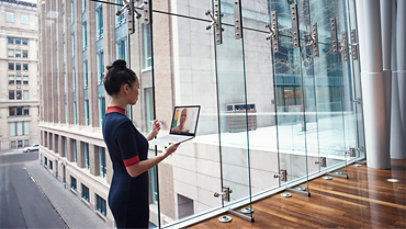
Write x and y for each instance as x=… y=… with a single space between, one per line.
x=115 y=109
x=131 y=161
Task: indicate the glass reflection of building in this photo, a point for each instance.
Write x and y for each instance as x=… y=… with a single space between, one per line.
x=262 y=111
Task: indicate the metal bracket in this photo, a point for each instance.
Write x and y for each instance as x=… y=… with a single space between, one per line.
x=283 y=175
x=238 y=19
x=351 y=152
x=314 y=41
x=216 y=22
x=322 y=162
x=334 y=40
x=225 y=194
x=147 y=12
x=295 y=27
x=130 y=16
x=343 y=44
x=354 y=45
x=274 y=34
x=357 y=100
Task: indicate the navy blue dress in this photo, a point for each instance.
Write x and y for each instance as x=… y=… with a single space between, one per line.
x=128 y=197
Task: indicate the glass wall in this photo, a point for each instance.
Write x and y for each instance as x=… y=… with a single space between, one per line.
x=275 y=80
x=269 y=118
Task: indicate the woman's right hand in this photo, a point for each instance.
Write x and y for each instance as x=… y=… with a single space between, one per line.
x=171 y=149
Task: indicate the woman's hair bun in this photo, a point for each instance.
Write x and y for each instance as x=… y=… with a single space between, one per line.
x=120 y=64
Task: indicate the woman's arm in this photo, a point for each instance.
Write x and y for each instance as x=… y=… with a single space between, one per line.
x=143 y=166
x=155 y=127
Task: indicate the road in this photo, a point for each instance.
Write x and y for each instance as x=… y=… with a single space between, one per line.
x=22 y=204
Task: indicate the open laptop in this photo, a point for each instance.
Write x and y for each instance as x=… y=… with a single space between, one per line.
x=183 y=126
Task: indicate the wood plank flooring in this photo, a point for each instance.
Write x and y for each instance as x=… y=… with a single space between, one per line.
x=365 y=200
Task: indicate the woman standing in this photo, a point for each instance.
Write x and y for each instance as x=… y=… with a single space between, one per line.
x=128 y=149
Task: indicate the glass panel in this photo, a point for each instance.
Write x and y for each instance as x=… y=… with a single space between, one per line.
x=233 y=111
x=356 y=83
x=290 y=95
x=181 y=72
x=331 y=85
x=191 y=8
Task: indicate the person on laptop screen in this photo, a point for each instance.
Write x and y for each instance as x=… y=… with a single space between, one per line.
x=181 y=127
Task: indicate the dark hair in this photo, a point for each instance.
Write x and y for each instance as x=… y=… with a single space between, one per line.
x=117 y=75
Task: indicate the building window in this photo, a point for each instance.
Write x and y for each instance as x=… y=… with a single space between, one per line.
x=100 y=205
x=19 y=95
x=99 y=22
x=9 y=17
x=102 y=161
x=50 y=165
x=13 y=144
x=85 y=74
x=25 y=41
x=11 y=66
x=11 y=95
x=75 y=153
x=83 y=6
x=56 y=143
x=10 y=40
x=18 y=67
x=73 y=45
x=86 y=154
x=72 y=7
x=18 y=79
x=25 y=67
x=87 y=112
x=20 y=143
x=102 y=110
x=147 y=47
x=12 y=127
x=26 y=142
x=26 y=111
x=11 y=79
x=11 y=53
x=18 y=53
x=19 y=128
x=85 y=193
x=84 y=30
x=19 y=111
x=25 y=80
x=121 y=49
x=100 y=67
x=75 y=113
x=26 y=95
x=45 y=161
x=64 y=147
x=25 y=54
x=24 y=19
x=17 y=40
x=73 y=186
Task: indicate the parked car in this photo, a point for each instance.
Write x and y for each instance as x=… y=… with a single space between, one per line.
x=31 y=148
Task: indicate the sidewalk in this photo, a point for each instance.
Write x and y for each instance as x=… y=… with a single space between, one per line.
x=71 y=209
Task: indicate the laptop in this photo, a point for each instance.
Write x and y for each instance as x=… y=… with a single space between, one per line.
x=183 y=126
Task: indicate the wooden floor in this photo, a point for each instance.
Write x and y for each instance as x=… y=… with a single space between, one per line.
x=365 y=200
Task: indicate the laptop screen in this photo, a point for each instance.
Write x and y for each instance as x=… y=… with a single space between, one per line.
x=184 y=120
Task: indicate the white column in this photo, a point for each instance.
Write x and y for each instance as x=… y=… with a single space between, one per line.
x=372 y=82
x=398 y=132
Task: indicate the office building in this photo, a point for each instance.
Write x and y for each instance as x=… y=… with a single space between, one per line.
x=19 y=98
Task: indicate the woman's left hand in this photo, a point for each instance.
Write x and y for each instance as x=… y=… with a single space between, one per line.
x=155 y=128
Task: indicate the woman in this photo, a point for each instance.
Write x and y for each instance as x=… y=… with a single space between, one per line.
x=128 y=148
